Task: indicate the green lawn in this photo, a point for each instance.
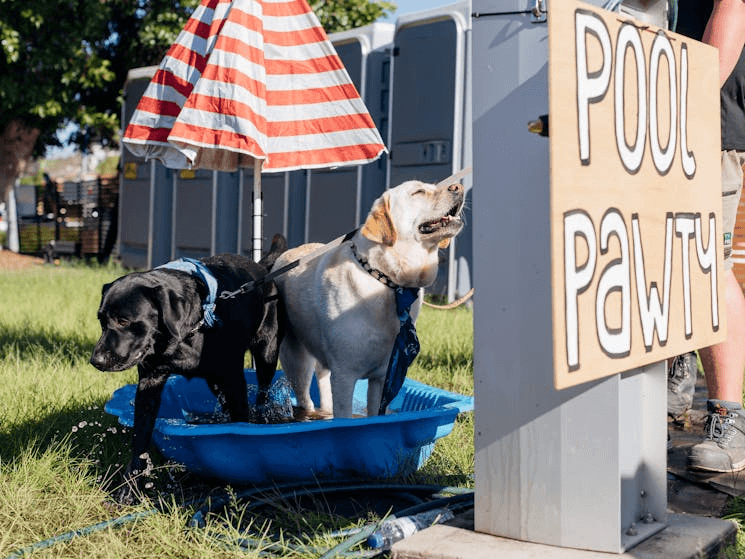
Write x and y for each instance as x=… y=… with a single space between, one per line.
x=60 y=452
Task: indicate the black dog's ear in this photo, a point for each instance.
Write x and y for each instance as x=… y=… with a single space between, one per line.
x=105 y=288
x=171 y=310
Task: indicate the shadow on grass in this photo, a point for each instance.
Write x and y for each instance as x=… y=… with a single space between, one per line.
x=92 y=433
x=30 y=345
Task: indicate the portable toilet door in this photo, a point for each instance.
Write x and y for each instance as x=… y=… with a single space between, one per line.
x=337 y=200
x=430 y=134
x=205 y=213
x=144 y=193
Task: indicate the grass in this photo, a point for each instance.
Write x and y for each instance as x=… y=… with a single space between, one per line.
x=60 y=453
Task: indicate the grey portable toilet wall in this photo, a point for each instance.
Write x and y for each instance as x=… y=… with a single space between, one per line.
x=283 y=208
x=338 y=200
x=430 y=135
x=145 y=193
x=205 y=213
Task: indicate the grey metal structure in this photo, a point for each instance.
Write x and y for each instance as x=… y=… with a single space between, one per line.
x=145 y=193
x=583 y=467
x=430 y=134
x=205 y=213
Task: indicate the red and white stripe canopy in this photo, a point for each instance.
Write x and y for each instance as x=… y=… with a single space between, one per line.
x=251 y=80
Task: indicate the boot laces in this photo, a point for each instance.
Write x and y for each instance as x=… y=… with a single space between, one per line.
x=678 y=372
x=720 y=428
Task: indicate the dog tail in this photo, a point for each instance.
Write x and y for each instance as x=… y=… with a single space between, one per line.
x=279 y=245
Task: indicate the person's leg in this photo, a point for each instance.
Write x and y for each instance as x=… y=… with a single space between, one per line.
x=682 y=371
x=724 y=363
x=723 y=449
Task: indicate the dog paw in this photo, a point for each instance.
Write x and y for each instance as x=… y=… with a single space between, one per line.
x=128 y=495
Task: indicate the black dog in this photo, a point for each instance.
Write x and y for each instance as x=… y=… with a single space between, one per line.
x=157 y=321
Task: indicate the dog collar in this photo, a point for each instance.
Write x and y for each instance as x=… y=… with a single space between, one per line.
x=374 y=272
x=197 y=269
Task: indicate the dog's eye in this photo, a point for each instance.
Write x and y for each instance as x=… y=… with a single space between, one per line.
x=419 y=192
x=123 y=322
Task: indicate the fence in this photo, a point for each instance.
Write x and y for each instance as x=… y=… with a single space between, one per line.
x=84 y=213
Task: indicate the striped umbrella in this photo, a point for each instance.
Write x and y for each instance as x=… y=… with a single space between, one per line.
x=253 y=83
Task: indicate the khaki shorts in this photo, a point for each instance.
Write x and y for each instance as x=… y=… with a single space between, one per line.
x=732 y=176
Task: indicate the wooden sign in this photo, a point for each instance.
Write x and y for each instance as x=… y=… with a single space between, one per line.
x=636 y=230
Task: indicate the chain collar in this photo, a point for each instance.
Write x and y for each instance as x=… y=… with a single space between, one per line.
x=377 y=274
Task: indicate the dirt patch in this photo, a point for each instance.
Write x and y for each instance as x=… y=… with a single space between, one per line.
x=10 y=260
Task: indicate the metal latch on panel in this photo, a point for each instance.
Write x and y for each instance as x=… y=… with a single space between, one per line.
x=538 y=13
x=435 y=152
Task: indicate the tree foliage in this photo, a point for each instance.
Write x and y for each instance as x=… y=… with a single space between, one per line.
x=341 y=15
x=66 y=61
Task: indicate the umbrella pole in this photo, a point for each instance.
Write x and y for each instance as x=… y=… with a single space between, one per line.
x=257 y=211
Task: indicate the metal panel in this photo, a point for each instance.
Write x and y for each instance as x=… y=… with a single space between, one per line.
x=295 y=214
x=332 y=204
x=144 y=195
x=575 y=467
x=429 y=137
x=338 y=200
x=145 y=214
x=225 y=213
x=134 y=208
x=192 y=214
x=159 y=223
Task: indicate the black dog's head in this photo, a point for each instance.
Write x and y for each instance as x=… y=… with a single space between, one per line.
x=134 y=311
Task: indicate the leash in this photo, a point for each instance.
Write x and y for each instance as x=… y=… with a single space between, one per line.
x=458 y=302
x=250 y=285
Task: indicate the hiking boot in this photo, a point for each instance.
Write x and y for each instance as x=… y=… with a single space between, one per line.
x=681 y=383
x=723 y=449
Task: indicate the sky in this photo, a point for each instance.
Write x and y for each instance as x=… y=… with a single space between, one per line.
x=404 y=7
x=408 y=6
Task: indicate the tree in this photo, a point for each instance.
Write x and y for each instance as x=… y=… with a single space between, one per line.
x=341 y=15
x=66 y=61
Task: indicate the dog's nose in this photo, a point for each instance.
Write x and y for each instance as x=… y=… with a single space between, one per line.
x=455 y=187
x=98 y=361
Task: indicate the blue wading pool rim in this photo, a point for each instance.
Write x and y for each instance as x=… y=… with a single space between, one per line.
x=377 y=447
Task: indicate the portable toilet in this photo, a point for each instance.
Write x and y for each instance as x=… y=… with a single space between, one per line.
x=145 y=193
x=205 y=213
x=430 y=134
x=337 y=200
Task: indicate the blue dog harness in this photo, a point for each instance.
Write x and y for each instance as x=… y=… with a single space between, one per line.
x=406 y=344
x=197 y=269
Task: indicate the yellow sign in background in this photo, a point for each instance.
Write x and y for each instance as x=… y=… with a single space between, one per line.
x=636 y=231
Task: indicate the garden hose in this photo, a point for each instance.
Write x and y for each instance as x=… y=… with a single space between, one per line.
x=67 y=536
x=462 y=498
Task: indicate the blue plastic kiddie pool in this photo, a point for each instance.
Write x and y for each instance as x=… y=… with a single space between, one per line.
x=396 y=444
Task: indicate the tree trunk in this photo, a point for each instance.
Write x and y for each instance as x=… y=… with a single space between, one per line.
x=16 y=145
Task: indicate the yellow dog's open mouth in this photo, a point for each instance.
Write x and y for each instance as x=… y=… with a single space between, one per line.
x=434 y=225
